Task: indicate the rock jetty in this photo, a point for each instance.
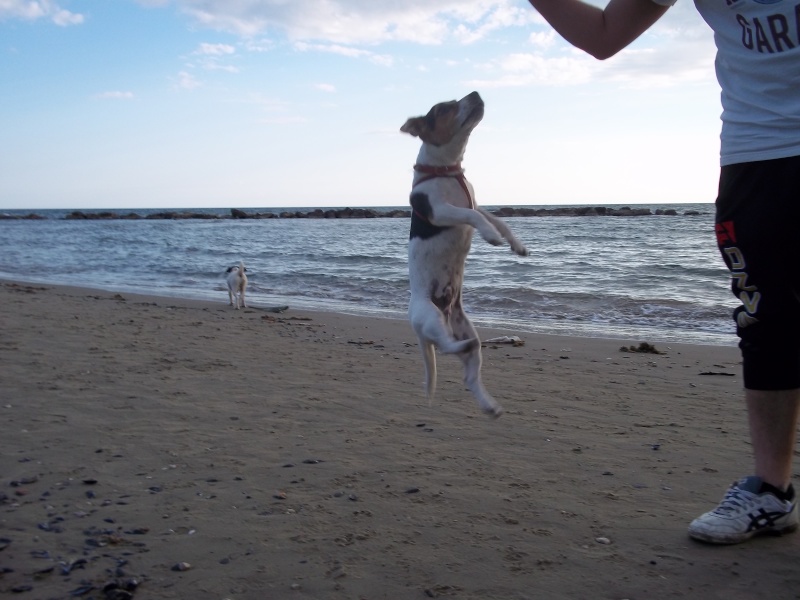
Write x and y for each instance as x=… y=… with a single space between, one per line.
x=361 y=213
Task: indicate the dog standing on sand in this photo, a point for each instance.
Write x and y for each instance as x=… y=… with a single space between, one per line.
x=444 y=214
x=237 y=284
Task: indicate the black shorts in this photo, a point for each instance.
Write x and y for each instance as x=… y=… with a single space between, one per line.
x=758 y=234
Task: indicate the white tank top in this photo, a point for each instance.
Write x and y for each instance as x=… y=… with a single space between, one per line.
x=758 y=69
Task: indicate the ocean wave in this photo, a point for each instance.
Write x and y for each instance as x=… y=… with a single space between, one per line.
x=659 y=277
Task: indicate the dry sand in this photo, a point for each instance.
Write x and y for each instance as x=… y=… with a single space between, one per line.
x=294 y=456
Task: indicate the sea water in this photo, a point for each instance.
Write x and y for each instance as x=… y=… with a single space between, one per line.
x=643 y=278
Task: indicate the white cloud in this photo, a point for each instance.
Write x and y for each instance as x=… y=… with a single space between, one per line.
x=259 y=45
x=348 y=51
x=210 y=56
x=116 y=95
x=678 y=50
x=325 y=87
x=685 y=63
x=542 y=39
x=332 y=49
x=65 y=18
x=382 y=60
x=215 y=49
x=482 y=23
x=632 y=68
x=29 y=10
x=359 y=21
x=214 y=66
x=186 y=81
x=517 y=70
x=289 y=120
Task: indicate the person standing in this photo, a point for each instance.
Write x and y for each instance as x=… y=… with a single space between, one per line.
x=757 y=224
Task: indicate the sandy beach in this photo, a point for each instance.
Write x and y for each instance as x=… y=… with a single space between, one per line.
x=157 y=448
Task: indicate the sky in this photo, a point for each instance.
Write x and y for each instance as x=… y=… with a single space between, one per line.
x=298 y=103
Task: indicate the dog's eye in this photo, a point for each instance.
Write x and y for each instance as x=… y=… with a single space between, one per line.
x=438 y=111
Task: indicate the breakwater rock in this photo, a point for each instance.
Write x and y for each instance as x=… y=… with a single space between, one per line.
x=356 y=213
x=586 y=211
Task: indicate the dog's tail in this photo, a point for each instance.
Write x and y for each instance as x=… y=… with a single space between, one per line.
x=429 y=359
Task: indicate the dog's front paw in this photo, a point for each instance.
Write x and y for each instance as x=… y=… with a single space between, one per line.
x=490 y=233
x=520 y=249
x=493 y=237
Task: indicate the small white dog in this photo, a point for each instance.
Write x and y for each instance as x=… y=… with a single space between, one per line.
x=237 y=284
x=444 y=214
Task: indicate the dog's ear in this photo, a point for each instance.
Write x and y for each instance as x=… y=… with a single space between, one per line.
x=415 y=126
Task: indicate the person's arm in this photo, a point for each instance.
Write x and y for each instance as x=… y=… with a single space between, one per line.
x=600 y=32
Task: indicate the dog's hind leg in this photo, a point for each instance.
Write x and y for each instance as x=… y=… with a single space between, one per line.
x=472 y=379
x=431 y=326
x=471 y=359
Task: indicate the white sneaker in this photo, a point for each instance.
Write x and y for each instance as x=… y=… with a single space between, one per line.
x=745 y=511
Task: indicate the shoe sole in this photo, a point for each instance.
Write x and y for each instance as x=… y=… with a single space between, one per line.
x=729 y=540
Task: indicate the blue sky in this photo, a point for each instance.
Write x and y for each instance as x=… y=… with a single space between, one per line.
x=272 y=103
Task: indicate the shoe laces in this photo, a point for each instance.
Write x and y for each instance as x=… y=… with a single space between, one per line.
x=736 y=500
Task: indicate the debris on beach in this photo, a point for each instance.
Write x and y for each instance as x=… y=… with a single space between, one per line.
x=28 y=289
x=643 y=348
x=290 y=320
x=506 y=339
x=603 y=540
x=269 y=309
x=724 y=374
x=276 y=309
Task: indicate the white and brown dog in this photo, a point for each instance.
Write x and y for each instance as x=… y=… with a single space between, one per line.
x=236 y=279
x=444 y=214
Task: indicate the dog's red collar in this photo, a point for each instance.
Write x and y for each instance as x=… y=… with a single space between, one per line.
x=455 y=171
x=440 y=170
